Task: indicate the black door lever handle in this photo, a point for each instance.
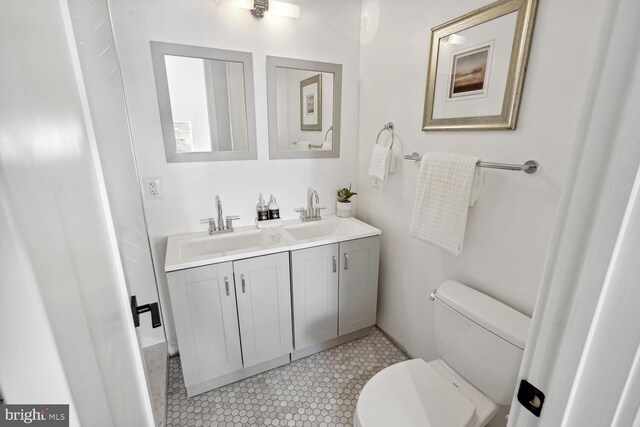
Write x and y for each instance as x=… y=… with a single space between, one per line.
x=137 y=310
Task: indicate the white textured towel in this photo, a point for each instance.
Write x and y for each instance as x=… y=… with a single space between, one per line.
x=382 y=162
x=448 y=183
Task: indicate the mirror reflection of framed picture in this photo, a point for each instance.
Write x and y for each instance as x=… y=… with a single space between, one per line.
x=477 y=68
x=311 y=103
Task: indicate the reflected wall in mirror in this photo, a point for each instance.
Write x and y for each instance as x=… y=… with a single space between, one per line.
x=304 y=99
x=206 y=103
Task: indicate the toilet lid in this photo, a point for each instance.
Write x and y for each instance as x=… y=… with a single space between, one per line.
x=411 y=393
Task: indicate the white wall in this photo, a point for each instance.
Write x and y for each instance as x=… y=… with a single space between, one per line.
x=508 y=230
x=326 y=31
x=62 y=241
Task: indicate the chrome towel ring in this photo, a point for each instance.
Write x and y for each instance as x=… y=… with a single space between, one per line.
x=327 y=134
x=389 y=127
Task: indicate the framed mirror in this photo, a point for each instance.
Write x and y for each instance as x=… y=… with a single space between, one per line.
x=304 y=103
x=206 y=101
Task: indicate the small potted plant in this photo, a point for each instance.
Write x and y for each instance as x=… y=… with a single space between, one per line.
x=343 y=205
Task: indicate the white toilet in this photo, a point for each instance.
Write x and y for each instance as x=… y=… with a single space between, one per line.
x=480 y=343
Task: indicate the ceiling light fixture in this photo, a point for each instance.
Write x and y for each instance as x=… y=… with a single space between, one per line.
x=258 y=8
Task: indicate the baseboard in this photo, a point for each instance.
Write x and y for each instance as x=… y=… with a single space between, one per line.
x=334 y=342
x=395 y=342
x=237 y=375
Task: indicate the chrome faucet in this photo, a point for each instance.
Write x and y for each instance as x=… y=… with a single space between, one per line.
x=220 y=225
x=223 y=226
x=310 y=207
x=311 y=213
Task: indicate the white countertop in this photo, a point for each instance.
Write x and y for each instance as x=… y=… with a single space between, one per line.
x=198 y=249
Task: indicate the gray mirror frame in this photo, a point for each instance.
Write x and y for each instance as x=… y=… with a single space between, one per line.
x=158 y=51
x=274 y=62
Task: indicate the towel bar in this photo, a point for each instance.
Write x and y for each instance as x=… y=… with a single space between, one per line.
x=530 y=166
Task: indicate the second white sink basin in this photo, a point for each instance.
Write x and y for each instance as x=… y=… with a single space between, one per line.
x=323 y=228
x=329 y=229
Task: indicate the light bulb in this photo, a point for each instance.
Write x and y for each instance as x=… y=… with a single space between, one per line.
x=284 y=9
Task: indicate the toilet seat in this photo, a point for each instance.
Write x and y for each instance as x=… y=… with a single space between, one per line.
x=412 y=393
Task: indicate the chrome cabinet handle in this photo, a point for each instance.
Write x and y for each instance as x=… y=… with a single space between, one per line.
x=226 y=284
x=335 y=264
x=244 y=287
x=346 y=261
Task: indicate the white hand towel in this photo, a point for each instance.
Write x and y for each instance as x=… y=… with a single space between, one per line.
x=300 y=145
x=379 y=163
x=448 y=183
x=382 y=163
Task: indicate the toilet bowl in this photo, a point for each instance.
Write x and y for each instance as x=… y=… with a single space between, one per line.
x=480 y=342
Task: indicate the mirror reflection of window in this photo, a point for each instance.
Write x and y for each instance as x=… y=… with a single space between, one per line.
x=207 y=104
x=296 y=109
x=184 y=137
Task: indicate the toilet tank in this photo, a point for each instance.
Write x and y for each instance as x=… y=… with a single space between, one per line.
x=481 y=338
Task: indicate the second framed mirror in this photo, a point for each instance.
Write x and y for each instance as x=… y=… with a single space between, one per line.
x=304 y=103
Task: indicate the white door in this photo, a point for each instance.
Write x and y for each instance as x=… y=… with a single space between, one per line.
x=582 y=349
x=204 y=311
x=315 y=295
x=358 y=284
x=264 y=307
x=67 y=334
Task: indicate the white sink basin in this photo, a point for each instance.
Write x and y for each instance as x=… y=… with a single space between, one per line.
x=229 y=243
x=328 y=230
x=192 y=250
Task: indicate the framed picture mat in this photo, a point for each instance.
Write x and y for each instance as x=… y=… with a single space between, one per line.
x=315 y=104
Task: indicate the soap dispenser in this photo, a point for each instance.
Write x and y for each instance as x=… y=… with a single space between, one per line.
x=262 y=210
x=274 y=209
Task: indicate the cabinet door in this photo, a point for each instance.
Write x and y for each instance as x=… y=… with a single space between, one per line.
x=204 y=311
x=315 y=295
x=358 y=284
x=264 y=307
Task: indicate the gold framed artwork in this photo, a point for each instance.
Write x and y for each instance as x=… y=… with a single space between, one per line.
x=477 y=68
x=311 y=103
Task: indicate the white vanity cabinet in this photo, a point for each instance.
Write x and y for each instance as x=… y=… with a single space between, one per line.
x=206 y=319
x=230 y=329
x=335 y=290
x=314 y=274
x=358 y=297
x=264 y=307
x=255 y=299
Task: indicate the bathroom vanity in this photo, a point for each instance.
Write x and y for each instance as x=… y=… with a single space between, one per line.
x=251 y=300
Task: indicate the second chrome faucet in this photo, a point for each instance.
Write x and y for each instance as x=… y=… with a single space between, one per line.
x=311 y=212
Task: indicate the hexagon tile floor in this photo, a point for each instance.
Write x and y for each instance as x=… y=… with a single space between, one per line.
x=320 y=390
